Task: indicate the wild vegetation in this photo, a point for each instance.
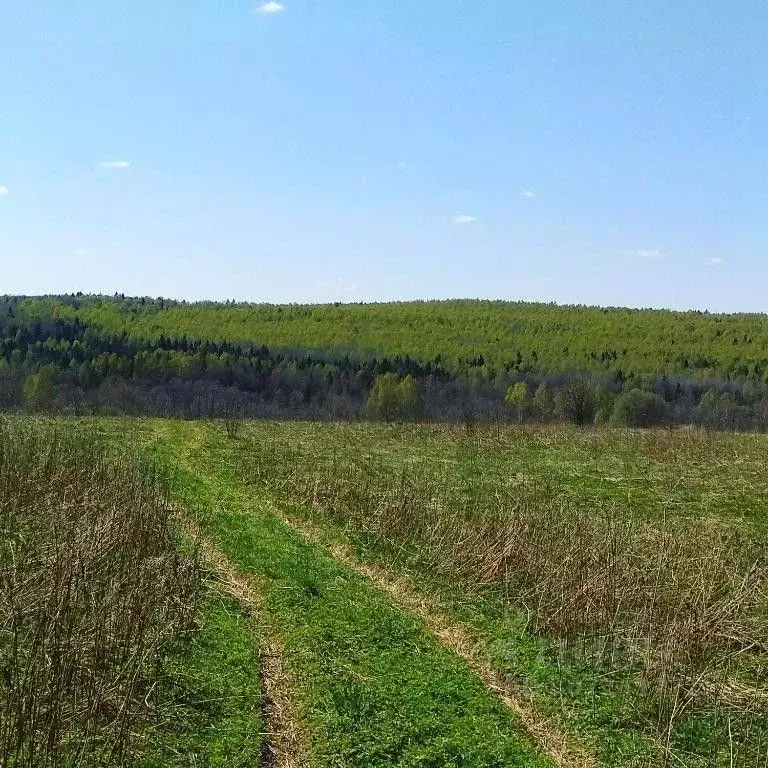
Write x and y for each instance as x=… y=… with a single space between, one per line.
x=540 y=338
x=505 y=595
x=100 y=594
x=639 y=555
x=557 y=575
x=84 y=354
x=372 y=687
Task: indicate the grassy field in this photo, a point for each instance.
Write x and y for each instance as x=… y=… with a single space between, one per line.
x=372 y=687
x=617 y=576
x=372 y=595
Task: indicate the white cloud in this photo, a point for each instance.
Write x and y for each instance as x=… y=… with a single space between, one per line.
x=715 y=261
x=81 y=252
x=269 y=7
x=527 y=194
x=115 y=164
x=401 y=165
x=463 y=218
x=4 y=192
x=652 y=254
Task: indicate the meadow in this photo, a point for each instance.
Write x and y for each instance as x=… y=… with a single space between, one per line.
x=391 y=595
x=630 y=563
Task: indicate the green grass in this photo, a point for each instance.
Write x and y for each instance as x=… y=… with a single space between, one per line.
x=341 y=475
x=374 y=688
x=114 y=648
x=208 y=705
x=650 y=473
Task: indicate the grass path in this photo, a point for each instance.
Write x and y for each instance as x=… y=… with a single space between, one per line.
x=284 y=744
x=208 y=702
x=373 y=686
x=461 y=640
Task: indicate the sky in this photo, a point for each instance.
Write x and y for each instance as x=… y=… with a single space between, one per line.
x=610 y=152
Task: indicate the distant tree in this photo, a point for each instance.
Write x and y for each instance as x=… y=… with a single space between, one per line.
x=394 y=398
x=726 y=411
x=38 y=393
x=468 y=415
x=410 y=397
x=709 y=399
x=605 y=404
x=518 y=398
x=708 y=411
x=638 y=408
x=543 y=401
x=385 y=396
x=578 y=400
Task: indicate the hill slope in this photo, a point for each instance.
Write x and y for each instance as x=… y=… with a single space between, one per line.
x=535 y=338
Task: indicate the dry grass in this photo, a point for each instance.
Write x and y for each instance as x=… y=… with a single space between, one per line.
x=92 y=586
x=679 y=598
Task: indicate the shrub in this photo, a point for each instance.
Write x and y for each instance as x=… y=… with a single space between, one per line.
x=394 y=398
x=578 y=401
x=637 y=408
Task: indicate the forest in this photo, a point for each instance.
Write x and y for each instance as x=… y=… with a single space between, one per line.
x=463 y=361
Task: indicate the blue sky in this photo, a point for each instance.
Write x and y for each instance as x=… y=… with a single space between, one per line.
x=608 y=152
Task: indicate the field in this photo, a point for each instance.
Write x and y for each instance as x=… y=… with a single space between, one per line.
x=416 y=595
x=116 y=646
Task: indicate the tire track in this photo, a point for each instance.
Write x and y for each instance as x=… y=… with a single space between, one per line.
x=285 y=741
x=560 y=746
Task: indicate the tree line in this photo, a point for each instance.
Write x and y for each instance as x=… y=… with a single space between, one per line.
x=153 y=356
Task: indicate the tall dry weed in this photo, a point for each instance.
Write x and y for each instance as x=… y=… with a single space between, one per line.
x=92 y=584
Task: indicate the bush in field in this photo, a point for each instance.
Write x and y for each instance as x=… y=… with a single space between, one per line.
x=638 y=408
x=578 y=401
x=393 y=398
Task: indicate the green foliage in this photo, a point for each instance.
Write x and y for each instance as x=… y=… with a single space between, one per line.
x=605 y=404
x=518 y=398
x=393 y=398
x=161 y=357
x=534 y=338
x=38 y=392
x=638 y=408
x=543 y=401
